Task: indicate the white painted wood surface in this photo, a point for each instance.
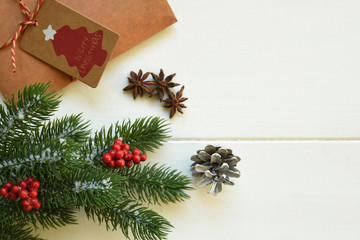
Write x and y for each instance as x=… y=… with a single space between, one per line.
x=288 y=190
x=256 y=72
x=252 y=69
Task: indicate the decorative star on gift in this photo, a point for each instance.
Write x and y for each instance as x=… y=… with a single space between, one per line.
x=49 y=33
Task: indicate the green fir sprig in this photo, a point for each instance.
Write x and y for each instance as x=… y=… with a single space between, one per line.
x=66 y=158
x=17 y=231
x=130 y=217
x=35 y=104
x=146 y=134
x=155 y=184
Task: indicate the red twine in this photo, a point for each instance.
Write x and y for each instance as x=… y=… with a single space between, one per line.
x=23 y=25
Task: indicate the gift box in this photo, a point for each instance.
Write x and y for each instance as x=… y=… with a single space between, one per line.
x=134 y=20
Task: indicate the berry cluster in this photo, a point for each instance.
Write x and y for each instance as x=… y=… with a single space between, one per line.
x=27 y=190
x=120 y=155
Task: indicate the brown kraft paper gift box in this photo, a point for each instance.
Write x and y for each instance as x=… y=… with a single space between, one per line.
x=134 y=20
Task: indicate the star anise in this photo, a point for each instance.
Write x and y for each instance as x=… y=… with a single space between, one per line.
x=138 y=84
x=175 y=102
x=162 y=85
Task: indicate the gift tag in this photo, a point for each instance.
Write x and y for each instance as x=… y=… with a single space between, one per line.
x=70 y=42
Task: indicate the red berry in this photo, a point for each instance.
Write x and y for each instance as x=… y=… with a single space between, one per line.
x=136 y=159
x=23 y=193
x=8 y=185
x=7 y=196
x=25 y=202
x=23 y=184
x=15 y=189
x=120 y=163
x=30 y=179
x=116 y=146
x=13 y=196
x=128 y=157
x=35 y=184
x=119 y=154
x=35 y=203
x=111 y=164
x=106 y=158
x=125 y=146
x=27 y=207
x=136 y=151
x=4 y=191
x=143 y=157
x=118 y=141
x=33 y=194
x=112 y=153
x=129 y=164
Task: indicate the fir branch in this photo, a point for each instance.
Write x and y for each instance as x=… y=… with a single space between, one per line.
x=53 y=218
x=91 y=187
x=69 y=128
x=141 y=222
x=33 y=106
x=7 y=207
x=12 y=212
x=36 y=157
x=17 y=231
x=97 y=187
x=96 y=146
x=155 y=184
x=52 y=148
x=146 y=134
x=67 y=162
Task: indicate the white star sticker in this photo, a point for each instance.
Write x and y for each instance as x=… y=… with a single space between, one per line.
x=49 y=33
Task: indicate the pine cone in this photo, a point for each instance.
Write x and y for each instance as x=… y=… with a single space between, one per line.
x=214 y=165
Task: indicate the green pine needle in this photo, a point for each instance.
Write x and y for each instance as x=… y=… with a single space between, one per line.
x=17 y=231
x=155 y=184
x=131 y=218
x=90 y=187
x=146 y=134
x=12 y=212
x=36 y=157
x=35 y=104
x=69 y=128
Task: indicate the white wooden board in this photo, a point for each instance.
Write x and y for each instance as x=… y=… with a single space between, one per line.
x=288 y=190
x=252 y=69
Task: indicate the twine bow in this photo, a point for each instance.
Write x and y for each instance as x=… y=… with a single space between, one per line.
x=23 y=25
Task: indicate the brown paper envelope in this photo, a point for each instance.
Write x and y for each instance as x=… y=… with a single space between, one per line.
x=134 y=20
